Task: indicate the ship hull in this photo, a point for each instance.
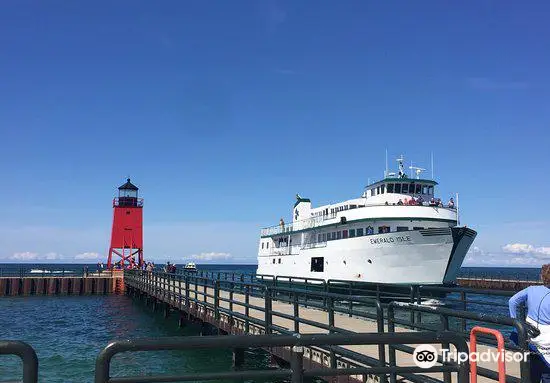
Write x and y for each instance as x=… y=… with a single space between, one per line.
x=431 y=256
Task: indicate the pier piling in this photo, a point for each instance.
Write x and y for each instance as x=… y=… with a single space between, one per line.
x=47 y=285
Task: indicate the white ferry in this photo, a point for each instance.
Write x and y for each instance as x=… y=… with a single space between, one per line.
x=396 y=232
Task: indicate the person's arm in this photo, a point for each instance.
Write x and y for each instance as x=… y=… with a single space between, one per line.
x=516 y=300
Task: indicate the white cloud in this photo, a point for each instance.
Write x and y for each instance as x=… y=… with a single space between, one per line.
x=212 y=256
x=28 y=256
x=25 y=256
x=87 y=256
x=512 y=254
x=524 y=248
x=52 y=256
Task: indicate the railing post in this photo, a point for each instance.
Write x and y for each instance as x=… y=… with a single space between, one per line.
x=296 y=314
x=523 y=343
x=331 y=329
x=247 y=309
x=350 y=304
x=231 y=295
x=297 y=364
x=187 y=303
x=217 y=300
x=381 y=347
x=411 y=300
x=445 y=327
x=391 y=348
x=268 y=316
x=463 y=300
x=419 y=301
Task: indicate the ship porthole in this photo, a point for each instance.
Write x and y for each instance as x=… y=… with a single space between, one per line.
x=369 y=261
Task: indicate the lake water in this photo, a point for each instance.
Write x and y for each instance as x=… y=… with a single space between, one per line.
x=68 y=332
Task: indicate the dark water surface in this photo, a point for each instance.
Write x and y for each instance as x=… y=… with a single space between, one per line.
x=68 y=333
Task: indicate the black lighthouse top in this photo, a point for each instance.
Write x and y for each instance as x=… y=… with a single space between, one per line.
x=128 y=194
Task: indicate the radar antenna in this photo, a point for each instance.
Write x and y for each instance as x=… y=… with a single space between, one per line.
x=417 y=170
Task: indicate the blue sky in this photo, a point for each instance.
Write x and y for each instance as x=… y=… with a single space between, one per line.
x=222 y=111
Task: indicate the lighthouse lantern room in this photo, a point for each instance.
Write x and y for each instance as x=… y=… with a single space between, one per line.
x=126 y=249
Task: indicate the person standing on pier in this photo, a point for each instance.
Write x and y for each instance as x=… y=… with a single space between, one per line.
x=537 y=300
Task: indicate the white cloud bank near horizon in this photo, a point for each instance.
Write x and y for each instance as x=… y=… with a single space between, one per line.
x=229 y=242
x=511 y=255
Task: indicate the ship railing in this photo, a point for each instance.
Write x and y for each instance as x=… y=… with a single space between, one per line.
x=313 y=222
x=313 y=245
x=285 y=250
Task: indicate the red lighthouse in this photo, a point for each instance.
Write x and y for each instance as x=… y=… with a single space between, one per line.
x=127 y=233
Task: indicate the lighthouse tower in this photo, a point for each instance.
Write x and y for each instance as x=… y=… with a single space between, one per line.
x=127 y=234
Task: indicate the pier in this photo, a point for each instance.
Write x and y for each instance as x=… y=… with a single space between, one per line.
x=93 y=283
x=258 y=305
x=497 y=283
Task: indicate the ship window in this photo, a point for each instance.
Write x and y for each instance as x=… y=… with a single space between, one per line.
x=339 y=235
x=319 y=237
x=360 y=232
x=267 y=245
x=351 y=233
x=418 y=189
x=333 y=235
x=424 y=189
x=383 y=229
x=273 y=260
x=430 y=190
x=417 y=228
x=353 y=206
x=390 y=188
x=344 y=234
x=324 y=237
x=402 y=228
x=405 y=188
x=378 y=190
x=398 y=188
x=317 y=264
x=262 y=245
x=382 y=188
x=279 y=260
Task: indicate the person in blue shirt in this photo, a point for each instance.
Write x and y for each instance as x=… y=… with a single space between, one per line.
x=537 y=300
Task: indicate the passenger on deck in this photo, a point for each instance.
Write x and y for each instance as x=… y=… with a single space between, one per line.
x=419 y=200
x=370 y=230
x=432 y=202
x=451 y=203
x=439 y=203
x=400 y=203
x=537 y=300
